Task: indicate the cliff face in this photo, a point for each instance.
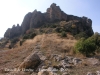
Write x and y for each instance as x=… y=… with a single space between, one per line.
x=55 y=13
x=7 y=33
x=36 y=19
x=26 y=22
x=15 y=31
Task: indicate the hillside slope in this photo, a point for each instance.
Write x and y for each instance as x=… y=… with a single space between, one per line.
x=46 y=46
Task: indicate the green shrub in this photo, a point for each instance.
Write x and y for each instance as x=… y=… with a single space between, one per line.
x=26 y=36
x=81 y=35
x=63 y=34
x=96 y=37
x=58 y=29
x=14 y=40
x=29 y=36
x=32 y=35
x=41 y=31
x=86 y=46
x=53 y=26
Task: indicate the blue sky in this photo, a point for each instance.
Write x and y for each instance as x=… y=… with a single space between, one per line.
x=13 y=11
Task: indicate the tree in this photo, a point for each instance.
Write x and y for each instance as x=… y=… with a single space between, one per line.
x=86 y=46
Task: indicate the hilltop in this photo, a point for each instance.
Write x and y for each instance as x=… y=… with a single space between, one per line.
x=54 y=17
x=50 y=43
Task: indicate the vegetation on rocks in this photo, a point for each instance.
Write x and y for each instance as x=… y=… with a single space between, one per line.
x=63 y=34
x=29 y=36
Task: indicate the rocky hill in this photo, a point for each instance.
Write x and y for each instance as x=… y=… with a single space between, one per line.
x=46 y=44
x=54 y=14
x=47 y=54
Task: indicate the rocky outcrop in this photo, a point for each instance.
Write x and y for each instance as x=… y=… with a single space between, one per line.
x=53 y=14
x=31 y=62
x=37 y=19
x=76 y=26
x=15 y=31
x=7 y=33
x=12 y=32
x=26 y=22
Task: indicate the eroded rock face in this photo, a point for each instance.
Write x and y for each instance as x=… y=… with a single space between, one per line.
x=7 y=33
x=77 y=26
x=31 y=62
x=15 y=31
x=37 y=19
x=53 y=14
x=26 y=22
x=12 y=32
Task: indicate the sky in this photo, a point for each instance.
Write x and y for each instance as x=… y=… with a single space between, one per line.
x=12 y=12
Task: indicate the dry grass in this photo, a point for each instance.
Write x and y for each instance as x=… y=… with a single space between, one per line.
x=50 y=44
x=53 y=43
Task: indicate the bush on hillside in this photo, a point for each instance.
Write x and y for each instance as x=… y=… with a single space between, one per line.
x=96 y=36
x=29 y=36
x=58 y=29
x=32 y=35
x=89 y=46
x=63 y=34
x=53 y=26
x=86 y=46
x=26 y=36
x=14 y=40
x=81 y=35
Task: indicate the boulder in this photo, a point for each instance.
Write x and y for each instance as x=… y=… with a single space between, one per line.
x=65 y=73
x=98 y=72
x=77 y=61
x=34 y=73
x=93 y=61
x=31 y=62
x=90 y=73
x=45 y=73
